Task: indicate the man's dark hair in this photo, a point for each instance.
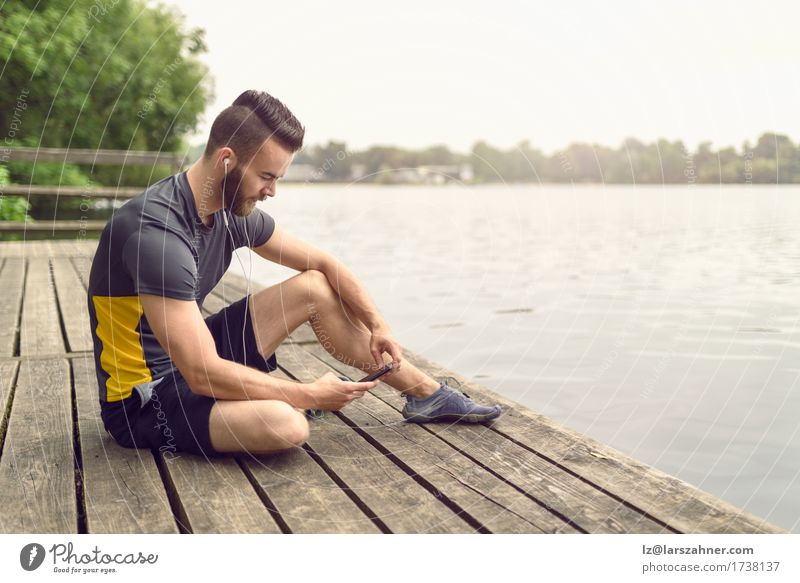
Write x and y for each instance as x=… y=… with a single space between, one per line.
x=254 y=117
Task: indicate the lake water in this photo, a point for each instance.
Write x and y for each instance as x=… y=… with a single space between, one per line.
x=659 y=320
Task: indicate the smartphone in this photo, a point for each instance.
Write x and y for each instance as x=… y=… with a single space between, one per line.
x=377 y=374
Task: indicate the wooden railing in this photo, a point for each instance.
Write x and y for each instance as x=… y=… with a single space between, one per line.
x=79 y=156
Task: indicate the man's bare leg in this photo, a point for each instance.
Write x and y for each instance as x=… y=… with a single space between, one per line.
x=258 y=426
x=308 y=297
x=267 y=426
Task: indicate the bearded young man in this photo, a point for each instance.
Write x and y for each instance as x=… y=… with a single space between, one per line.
x=169 y=379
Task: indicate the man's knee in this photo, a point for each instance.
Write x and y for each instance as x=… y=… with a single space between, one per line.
x=296 y=431
x=319 y=288
x=290 y=426
x=302 y=432
x=256 y=426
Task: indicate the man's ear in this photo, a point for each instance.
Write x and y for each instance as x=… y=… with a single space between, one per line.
x=228 y=154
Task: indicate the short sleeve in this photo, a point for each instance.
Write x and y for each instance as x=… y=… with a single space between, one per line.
x=161 y=263
x=255 y=229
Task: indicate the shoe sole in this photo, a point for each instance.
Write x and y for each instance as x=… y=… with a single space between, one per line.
x=463 y=418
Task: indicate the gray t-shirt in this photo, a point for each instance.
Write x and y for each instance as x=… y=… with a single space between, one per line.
x=156 y=244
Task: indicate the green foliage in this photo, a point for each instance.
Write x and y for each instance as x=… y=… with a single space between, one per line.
x=121 y=75
x=44 y=173
x=12 y=208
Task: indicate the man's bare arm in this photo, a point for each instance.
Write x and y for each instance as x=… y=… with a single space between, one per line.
x=180 y=329
x=290 y=251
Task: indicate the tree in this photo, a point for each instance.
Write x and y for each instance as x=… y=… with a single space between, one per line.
x=117 y=75
x=488 y=164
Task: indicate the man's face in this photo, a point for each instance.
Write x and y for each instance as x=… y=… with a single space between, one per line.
x=256 y=179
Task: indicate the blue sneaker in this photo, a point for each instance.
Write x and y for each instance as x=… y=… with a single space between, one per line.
x=448 y=404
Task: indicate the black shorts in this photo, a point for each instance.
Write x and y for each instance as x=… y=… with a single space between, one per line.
x=175 y=419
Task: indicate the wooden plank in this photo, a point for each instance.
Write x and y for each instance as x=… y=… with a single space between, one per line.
x=37 y=474
x=47 y=248
x=50 y=226
x=493 y=503
x=667 y=499
x=304 y=334
x=13 y=278
x=72 y=305
x=584 y=506
x=83 y=265
x=216 y=496
x=27 y=190
x=122 y=489
x=8 y=373
x=213 y=304
x=395 y=498
x=40 y=330
x=231 y=288
x=96 y=157
x=306 y=498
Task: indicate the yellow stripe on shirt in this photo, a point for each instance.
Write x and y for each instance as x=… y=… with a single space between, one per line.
x=122 y=356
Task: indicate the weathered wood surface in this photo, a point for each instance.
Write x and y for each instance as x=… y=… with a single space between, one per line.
x=391 y=494
x=72 y=304
x=363 y=469
x=27 y=190
x=8 y=377
x=55 y=248
x=122 y=489
x=37 y=474
x=469 y=489
x=216 y=495
x=44 y=226
x=40 y=330
x=96 y=157
x=12 y=276
x=306 y=498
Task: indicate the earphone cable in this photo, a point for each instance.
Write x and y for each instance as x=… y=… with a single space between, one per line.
x=247 y=276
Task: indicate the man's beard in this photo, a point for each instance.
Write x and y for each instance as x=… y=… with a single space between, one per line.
x=233 y=199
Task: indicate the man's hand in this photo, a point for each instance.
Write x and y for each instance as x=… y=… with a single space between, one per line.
x=331 y=393
x=382 y=341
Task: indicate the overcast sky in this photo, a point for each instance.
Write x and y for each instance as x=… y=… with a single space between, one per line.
x=416 y=73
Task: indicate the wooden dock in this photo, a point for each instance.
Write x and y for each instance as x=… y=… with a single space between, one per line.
x=363 y=469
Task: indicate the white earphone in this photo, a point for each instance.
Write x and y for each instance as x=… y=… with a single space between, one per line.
x=248 y=277
x=224 y=180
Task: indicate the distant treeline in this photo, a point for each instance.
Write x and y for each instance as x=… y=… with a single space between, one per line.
x=773 y=159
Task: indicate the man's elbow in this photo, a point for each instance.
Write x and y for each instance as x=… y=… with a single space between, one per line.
x=323 y=262
x=200 y=377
